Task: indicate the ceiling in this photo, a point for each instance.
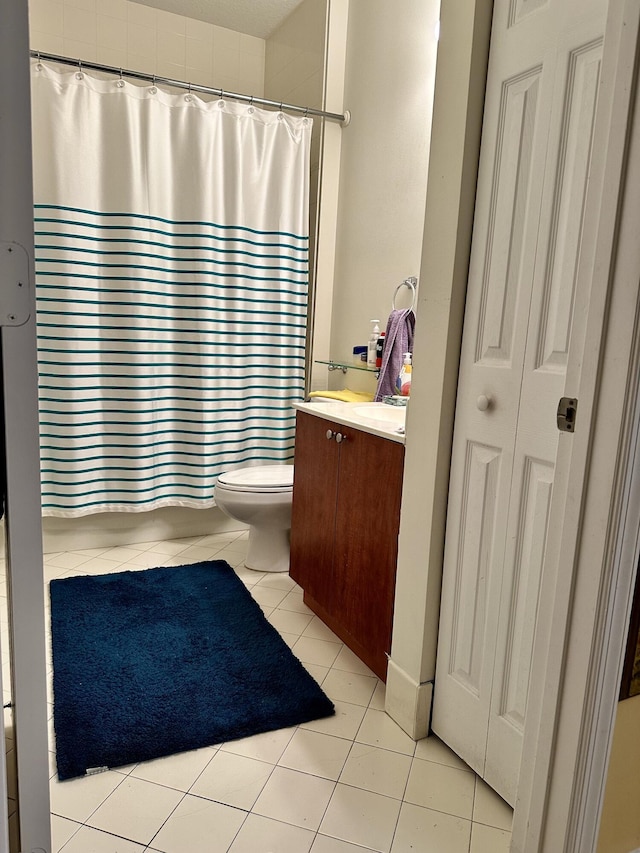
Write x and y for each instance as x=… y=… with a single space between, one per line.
x=254 y=17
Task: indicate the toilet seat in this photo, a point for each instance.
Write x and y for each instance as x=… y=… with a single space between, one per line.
x=261 y=478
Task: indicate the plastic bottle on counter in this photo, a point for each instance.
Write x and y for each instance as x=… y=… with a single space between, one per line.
x=372 y=343
x=403 y=382
x=379 y=349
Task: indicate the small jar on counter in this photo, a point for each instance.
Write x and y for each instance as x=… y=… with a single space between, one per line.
x=360 y=356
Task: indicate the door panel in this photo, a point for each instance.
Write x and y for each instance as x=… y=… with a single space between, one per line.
x=529 y=550
x=557 y=278
x=503 y=266
x=537 y=137
x=476 y=538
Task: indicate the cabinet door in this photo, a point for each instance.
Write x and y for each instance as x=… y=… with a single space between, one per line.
x=313 y=513
x=366 y=543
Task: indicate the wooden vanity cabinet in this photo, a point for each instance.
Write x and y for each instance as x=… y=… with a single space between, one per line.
x=344 y=532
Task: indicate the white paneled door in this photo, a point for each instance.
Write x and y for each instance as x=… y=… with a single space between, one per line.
x=544 y=70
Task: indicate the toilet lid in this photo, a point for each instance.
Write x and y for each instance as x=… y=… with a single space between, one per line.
x=263 y=478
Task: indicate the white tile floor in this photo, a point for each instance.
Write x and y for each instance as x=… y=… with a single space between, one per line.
x=346 y=784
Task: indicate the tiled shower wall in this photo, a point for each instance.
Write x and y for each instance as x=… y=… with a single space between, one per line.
x=129 y=35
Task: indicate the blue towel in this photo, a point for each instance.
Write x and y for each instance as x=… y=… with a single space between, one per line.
x=398 y=340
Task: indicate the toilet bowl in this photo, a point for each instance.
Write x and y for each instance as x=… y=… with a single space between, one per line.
x=261 y=497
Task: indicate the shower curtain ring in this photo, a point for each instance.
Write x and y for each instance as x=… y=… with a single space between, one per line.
x=153 y=88
x=79 y=74
x=188 y=96
x=38 y=62
x=120 y=82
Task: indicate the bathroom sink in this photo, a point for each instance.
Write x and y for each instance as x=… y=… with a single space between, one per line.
x=375 y=418
x=389 y=416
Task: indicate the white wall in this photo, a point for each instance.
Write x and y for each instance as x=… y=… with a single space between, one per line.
x=390 y=68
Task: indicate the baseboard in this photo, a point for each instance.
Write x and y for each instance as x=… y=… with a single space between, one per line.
x=408 y=702
x=112 y=529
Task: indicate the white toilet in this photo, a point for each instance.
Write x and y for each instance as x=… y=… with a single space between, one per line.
x=261 y=497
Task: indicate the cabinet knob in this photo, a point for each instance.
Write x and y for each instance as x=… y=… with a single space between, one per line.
x=340 y=437
x=483 y=402
x=330 y=434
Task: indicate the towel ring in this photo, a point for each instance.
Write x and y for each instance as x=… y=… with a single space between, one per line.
x=411 y=284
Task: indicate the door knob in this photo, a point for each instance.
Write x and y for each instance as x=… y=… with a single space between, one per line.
x=340 y=437
x=483 y=402
x=330 y=434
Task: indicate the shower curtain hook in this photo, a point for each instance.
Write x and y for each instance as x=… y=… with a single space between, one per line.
x=153 y=88
x=79 y=74
x=38 y=63
x=188 y=96
x=120 y=82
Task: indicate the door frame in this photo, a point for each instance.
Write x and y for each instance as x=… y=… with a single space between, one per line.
x=25 y=584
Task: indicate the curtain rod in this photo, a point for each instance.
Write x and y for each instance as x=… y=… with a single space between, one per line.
x=344 y=119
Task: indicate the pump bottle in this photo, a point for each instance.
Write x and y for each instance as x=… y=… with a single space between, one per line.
x=403 y=383
x=371 y=346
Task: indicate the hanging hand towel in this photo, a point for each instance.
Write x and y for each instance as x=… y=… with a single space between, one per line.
x=398 y=340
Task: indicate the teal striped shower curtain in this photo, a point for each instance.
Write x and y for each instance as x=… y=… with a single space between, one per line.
x=171 y=271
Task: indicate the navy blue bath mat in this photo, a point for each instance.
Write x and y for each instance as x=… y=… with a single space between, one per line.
x=149 y=663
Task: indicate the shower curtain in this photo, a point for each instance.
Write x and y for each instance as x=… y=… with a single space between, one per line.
x=171 y=271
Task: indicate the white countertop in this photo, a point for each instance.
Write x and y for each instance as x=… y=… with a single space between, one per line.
x=375 y=418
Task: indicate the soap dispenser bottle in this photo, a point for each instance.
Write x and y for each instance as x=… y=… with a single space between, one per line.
x=403 y=383
x=372 y=343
